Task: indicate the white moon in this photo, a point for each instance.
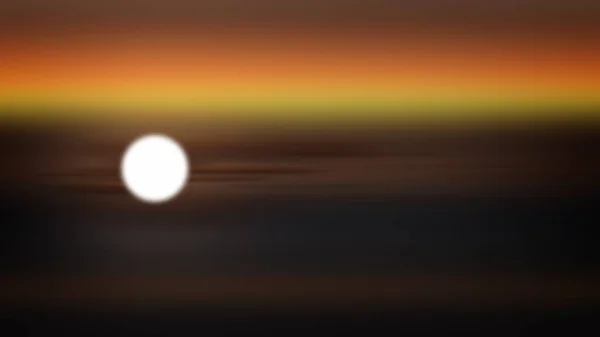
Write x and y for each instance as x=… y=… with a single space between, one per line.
x=154 y=168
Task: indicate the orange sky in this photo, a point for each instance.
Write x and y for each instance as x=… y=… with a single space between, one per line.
x=252 y=60
x=233 y=66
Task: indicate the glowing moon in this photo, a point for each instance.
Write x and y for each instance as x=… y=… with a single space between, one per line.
x=154 y=168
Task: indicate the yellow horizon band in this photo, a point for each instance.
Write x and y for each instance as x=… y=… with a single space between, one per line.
x=312 y=107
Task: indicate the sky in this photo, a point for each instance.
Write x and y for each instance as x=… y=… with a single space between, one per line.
x=402 y=61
